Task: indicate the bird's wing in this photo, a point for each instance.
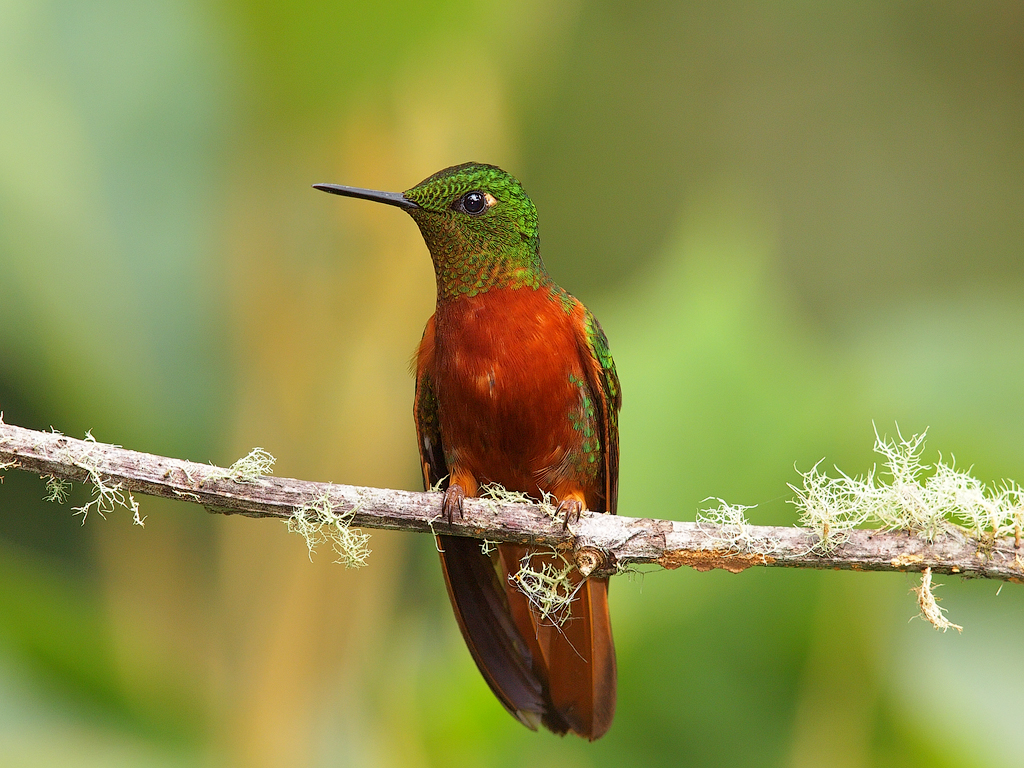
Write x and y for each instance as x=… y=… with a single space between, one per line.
x=428 y=427
x=604 y=383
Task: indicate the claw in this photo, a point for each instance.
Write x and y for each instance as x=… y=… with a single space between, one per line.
x=452 y=503
x=572 y=509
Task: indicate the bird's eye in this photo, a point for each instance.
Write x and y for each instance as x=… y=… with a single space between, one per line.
x=474 y=202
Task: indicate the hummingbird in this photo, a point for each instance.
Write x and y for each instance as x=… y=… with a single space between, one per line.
x=515 y=386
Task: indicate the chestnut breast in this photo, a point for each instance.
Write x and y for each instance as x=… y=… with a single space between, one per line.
x=501 y=372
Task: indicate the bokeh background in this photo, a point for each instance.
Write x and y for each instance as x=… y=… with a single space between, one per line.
x=792 y=219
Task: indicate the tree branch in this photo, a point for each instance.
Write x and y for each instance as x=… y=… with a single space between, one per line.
x=600 y=544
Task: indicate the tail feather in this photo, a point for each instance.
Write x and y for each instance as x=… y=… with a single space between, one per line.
x=504 y=656
x=581 y=665
x=576 y=657
x=563 y=677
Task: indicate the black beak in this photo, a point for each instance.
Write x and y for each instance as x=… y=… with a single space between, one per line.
x=390 y=198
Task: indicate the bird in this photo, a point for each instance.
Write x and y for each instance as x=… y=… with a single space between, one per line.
x=515 y=387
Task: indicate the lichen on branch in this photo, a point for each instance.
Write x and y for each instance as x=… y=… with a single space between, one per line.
x=907 y=494
x=955 y=525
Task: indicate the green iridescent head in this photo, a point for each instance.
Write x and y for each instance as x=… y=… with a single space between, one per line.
x=479 y=205
x=478 y=223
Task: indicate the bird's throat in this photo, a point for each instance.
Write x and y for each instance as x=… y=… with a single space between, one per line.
x=470 y=274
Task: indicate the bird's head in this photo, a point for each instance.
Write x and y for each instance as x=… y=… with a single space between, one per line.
x=474 y=208
x=475 y=218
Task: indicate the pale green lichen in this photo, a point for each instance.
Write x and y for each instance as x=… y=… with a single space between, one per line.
x=725 y=527
x=832 y=507
x=549 y=588
x=106 y=496
x=493 y=492
x=318 y=523
x=247 y=469
x=907 y=494
x=57 y=489
x=904 y=494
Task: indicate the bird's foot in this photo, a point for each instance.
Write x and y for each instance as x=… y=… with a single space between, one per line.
x=571 y=509
x=452 y=503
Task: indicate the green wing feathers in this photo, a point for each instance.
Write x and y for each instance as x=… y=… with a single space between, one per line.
x=604 y=382
x=428 y=433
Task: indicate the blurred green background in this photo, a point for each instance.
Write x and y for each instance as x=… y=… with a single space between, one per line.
x=791 y=218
